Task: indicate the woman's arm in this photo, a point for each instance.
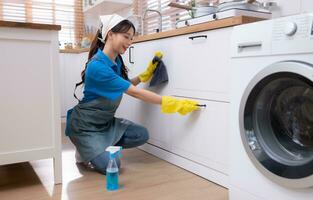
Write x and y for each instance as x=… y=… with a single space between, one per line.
x=144 y=95
x=168 y=104
x=135 y=81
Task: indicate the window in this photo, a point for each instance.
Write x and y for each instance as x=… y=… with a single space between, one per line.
x=169 y=14
x=67 y=13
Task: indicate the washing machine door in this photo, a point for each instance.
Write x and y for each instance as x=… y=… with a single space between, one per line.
x=276 y=122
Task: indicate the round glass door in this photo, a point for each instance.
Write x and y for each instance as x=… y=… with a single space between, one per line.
x=277 y=124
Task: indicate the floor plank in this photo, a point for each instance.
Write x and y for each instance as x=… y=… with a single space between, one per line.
x=143 y=177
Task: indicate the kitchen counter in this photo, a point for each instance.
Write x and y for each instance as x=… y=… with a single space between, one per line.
x=29 y=25
x=222 y=23
x=81 y=50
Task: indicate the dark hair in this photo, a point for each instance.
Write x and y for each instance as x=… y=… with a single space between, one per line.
x=96 y=44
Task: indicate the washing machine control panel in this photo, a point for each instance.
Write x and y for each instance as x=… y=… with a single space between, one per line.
x=281 y=36
x=290 y=28
x=293 y=34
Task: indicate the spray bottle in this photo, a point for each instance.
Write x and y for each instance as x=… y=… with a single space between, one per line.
x=112 y=170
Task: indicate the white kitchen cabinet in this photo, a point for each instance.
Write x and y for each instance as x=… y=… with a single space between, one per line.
x=202 y=136
x=148 y=115
x=30 y=105
x=198 y=69
x=201 y=65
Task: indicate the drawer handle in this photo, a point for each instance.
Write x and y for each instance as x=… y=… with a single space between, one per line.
x=249 y=45
x=198 y=36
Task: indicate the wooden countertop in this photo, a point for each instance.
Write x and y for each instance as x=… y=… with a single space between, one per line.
x=222 y=23
x=82 y=50
x=29 y=25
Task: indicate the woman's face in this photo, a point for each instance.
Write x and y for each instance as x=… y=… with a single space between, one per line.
x=121 y=41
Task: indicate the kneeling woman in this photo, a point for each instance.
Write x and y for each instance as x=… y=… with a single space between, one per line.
x=92 y=125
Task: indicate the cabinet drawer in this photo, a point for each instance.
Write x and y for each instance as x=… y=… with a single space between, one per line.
x=201 y=65
x=202 y=136
x=149 y=116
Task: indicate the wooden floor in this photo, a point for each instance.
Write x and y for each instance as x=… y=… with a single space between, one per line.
x=143 y=177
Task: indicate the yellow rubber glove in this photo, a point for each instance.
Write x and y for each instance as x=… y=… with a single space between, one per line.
x=182 y=106
x=146 y=75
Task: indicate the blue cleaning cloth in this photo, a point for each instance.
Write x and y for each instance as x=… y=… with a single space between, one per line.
x=160 y=73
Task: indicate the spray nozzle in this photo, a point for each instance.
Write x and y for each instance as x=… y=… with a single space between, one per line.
x=114 y=151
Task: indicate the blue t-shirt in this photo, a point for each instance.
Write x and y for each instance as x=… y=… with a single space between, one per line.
x=103 y=78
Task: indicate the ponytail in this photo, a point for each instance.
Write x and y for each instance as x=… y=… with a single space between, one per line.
x=95 y=45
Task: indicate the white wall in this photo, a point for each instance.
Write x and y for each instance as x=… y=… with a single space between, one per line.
x=126 y=12
x=91 y=18
x=291 y=7
x=71 y=65
x=306 y=6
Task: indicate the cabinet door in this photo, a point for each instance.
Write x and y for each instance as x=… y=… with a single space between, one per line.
x=157 y=123
x=148 y=115
x=201 y=64
x=202 y=136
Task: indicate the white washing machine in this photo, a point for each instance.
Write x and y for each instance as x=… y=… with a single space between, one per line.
x=272 y=110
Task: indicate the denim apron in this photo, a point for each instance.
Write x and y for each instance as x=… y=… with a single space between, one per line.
x=92 y=126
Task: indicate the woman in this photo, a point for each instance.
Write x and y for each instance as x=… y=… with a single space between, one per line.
x=91 y=124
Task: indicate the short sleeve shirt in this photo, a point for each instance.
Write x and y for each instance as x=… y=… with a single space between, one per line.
x=103 y=78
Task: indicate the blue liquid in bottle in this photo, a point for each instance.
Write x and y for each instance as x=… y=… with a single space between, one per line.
x=112 y=170
x=112 y=179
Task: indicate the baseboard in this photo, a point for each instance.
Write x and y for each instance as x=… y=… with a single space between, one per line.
x=238 y=194
x=196 y=168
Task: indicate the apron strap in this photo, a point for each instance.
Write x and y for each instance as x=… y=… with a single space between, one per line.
x=76 y=85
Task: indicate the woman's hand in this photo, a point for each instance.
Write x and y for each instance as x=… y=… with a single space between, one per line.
x=182 y=106
x=146 y=75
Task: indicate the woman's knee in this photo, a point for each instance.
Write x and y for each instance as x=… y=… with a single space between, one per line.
x=134 y=136
x=144 y=134
x=101 y=162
